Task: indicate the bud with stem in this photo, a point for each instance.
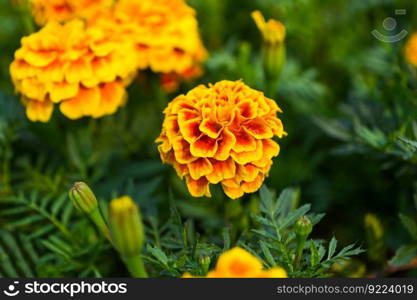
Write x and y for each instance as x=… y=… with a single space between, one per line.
x=303 y=228
x=85 y=201
x=128 y=233
x=273 y=46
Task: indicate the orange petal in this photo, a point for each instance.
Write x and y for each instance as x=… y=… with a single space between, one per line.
x=59 y=91
x=181 y=170
x=84 y=104
x=270 y=148
x=190 y=130
x=170 y=124
x=40 y=58
x=276 y=126
x=232 y=192
x=225 y=144
x=187 y=114
x=199 y=168
x=247 y=172
x=198 y=188
x=39 y=110
x=211 y=128
x=182 y=151
x=77 y=71
x=204 y=147
x=222 y=170
x=112 y=96
x=253 y=186
x=259 y=129
x=248 y=109
x=243 y=158
x=244 y=142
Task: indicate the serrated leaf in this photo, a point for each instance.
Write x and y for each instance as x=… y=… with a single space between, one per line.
x=332 y=247
x=270 y=259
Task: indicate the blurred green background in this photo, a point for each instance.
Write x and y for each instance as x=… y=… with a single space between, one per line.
x=350 y=107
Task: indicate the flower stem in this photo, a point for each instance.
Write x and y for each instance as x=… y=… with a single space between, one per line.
x=135 y=266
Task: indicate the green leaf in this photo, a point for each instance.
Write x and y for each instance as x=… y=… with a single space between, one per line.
x=404 y=255
x=410 y=225
x=332 y=247
x=270 y=259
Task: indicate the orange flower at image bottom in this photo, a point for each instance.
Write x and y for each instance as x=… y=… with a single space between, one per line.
x=238 y=263
x=221 y=134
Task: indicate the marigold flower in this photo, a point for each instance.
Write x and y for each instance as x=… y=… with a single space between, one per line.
x=84 y=69
x=239 y=263
x=411 y=50
x=221 y=133
x=65 y=10
x=165 y=33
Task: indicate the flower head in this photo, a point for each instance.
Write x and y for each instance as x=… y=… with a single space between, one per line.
x=165 y=33
x=238 y=263
x=411 y=50
x=65 y=10
x=82 y=68
x=221 y=133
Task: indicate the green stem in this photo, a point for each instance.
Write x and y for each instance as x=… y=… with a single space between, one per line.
x=135 y=266
x=300 y=248
x=96 y=217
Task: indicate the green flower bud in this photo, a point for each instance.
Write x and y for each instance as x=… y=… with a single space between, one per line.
x=303 y=226
x=128 y=233
x=83 y=198
x=126 y=226
x=205 y=261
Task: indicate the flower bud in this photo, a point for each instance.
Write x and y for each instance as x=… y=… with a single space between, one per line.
x=126 y=226
x=205 y=261
x=83 y=198
x=273 y=47
x=303 y=226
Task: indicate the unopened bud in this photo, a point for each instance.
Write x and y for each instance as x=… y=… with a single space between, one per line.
x=273 y=47
x=126 y=226
x=83 y=198
x=303 y=226
x=205 y=263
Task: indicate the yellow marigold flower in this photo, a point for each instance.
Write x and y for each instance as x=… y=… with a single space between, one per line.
x=84 y=69
x=65 y=10
x=239 y=263
x=221 y=133
x=165 y=33
x=411 y=50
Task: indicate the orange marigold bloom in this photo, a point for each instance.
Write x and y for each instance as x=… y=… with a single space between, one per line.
x=65 y=10
x=239 y=263
x=411 y=50
x=84 y=69
x=165 y=33
x=221 y=133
